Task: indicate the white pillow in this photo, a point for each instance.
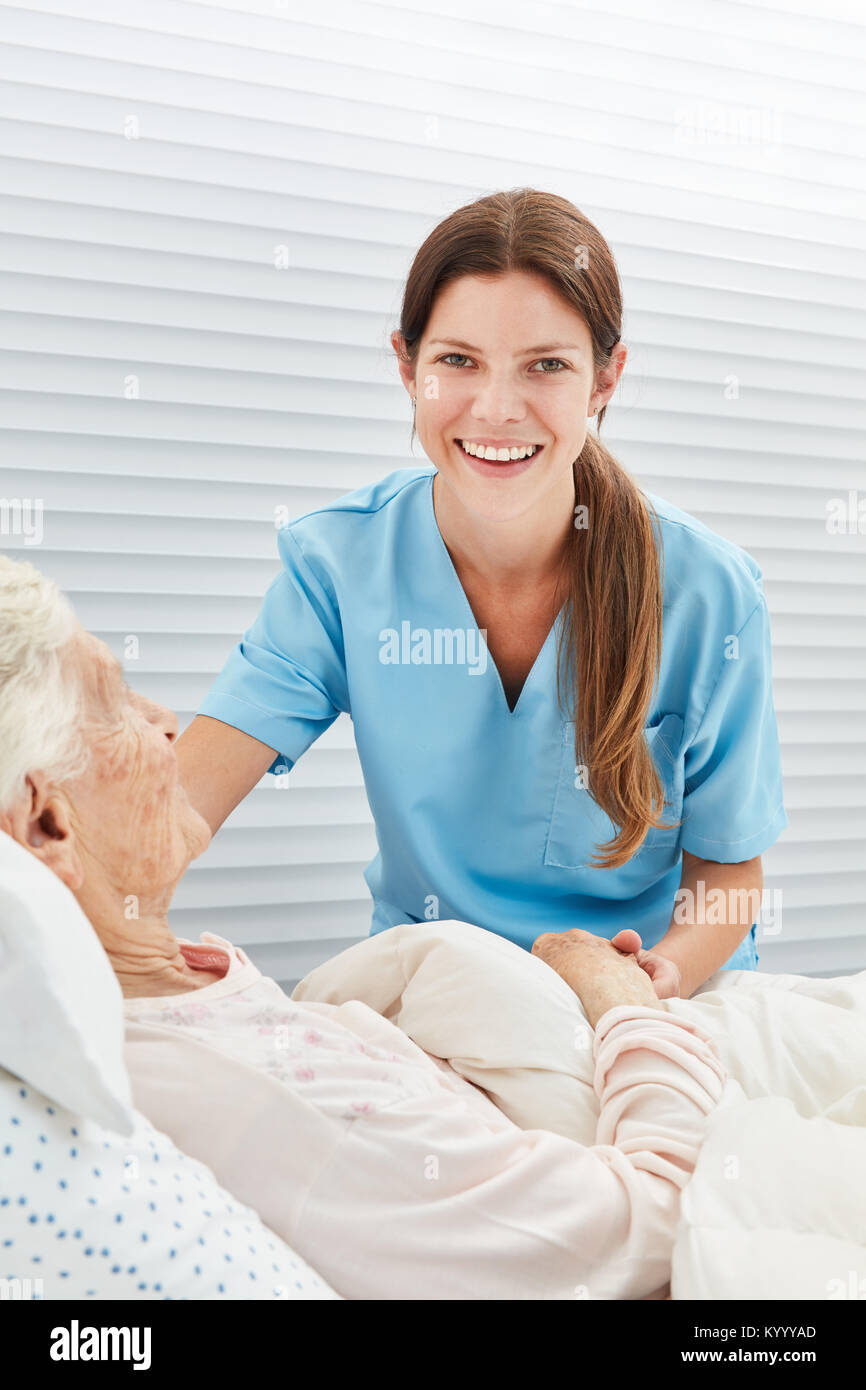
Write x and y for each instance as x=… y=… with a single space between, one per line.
x=61 y=1007
x=88 y=1214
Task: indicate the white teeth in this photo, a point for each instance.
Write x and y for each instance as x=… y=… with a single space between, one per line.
x=498 y=455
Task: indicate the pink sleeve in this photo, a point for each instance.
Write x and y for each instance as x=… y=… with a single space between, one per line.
x=424 y=1197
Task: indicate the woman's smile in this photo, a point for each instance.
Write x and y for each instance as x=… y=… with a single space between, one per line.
x=489 y=459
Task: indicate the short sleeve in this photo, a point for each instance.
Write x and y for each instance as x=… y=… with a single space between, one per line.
x=732 y=800
x=285 y=681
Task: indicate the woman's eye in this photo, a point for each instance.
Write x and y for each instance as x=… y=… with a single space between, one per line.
x=551 y=365
x=454 y=354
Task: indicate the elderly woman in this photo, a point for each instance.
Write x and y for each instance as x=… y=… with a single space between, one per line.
x=390 y=1173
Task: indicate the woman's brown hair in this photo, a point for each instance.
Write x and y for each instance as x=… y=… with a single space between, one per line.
x=610 y=642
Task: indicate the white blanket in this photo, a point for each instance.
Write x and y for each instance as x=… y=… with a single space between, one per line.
x=776 y=1207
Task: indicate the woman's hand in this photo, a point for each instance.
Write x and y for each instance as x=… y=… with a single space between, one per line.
x=665 y=975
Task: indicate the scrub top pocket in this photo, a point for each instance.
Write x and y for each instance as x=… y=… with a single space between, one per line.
x=578 y=826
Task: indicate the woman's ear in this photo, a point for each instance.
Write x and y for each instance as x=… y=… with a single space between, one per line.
x=406 y=369
x=41 y=822
x=608 y=378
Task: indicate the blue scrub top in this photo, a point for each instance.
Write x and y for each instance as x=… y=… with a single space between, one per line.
x=479 y=813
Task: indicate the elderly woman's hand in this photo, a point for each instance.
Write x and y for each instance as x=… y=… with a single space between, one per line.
x=600 y=974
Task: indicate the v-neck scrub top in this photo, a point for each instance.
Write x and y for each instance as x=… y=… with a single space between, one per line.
x=480 y=811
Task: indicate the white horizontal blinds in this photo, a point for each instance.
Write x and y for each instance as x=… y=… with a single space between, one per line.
x=165 y=386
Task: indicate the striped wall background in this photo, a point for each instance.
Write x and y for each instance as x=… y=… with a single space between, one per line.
x=206 y=214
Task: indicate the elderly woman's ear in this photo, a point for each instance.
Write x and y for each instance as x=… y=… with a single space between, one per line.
x=40 y=820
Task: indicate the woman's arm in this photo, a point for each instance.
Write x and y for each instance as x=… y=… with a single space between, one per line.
x=218 y=766
x=716 y=905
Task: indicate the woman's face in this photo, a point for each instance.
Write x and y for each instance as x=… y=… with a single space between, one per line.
x=133 y=825
x=505 y=362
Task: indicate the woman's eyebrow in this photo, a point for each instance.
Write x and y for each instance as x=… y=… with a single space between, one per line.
x=544 y=347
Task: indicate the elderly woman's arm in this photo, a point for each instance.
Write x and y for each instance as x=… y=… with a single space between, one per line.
x=218 y=766
x=437 y=1194
x=426 y=1198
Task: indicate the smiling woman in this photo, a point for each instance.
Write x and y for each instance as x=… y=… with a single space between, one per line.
x=626 y=713
x=501 y=449
x=519 y=353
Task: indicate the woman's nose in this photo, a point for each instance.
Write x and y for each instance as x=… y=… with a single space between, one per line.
x=159 y=715
x=498 y=402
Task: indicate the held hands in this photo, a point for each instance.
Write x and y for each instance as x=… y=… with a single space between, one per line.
x=600 y=973
x=665 y=975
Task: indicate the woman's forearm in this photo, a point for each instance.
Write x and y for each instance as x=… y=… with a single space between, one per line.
x=218 y=765
x=715 y=907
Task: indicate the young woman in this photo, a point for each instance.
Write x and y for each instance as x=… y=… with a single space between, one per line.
x=613 y=738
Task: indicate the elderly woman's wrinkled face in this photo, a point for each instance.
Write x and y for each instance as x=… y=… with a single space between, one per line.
x=129 y=811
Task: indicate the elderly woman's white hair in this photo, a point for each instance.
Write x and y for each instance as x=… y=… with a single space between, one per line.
x=40 y=697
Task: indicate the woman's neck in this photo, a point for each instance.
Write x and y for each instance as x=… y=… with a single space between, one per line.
x=524 y=552
x=144 y=952
x=141 y=977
